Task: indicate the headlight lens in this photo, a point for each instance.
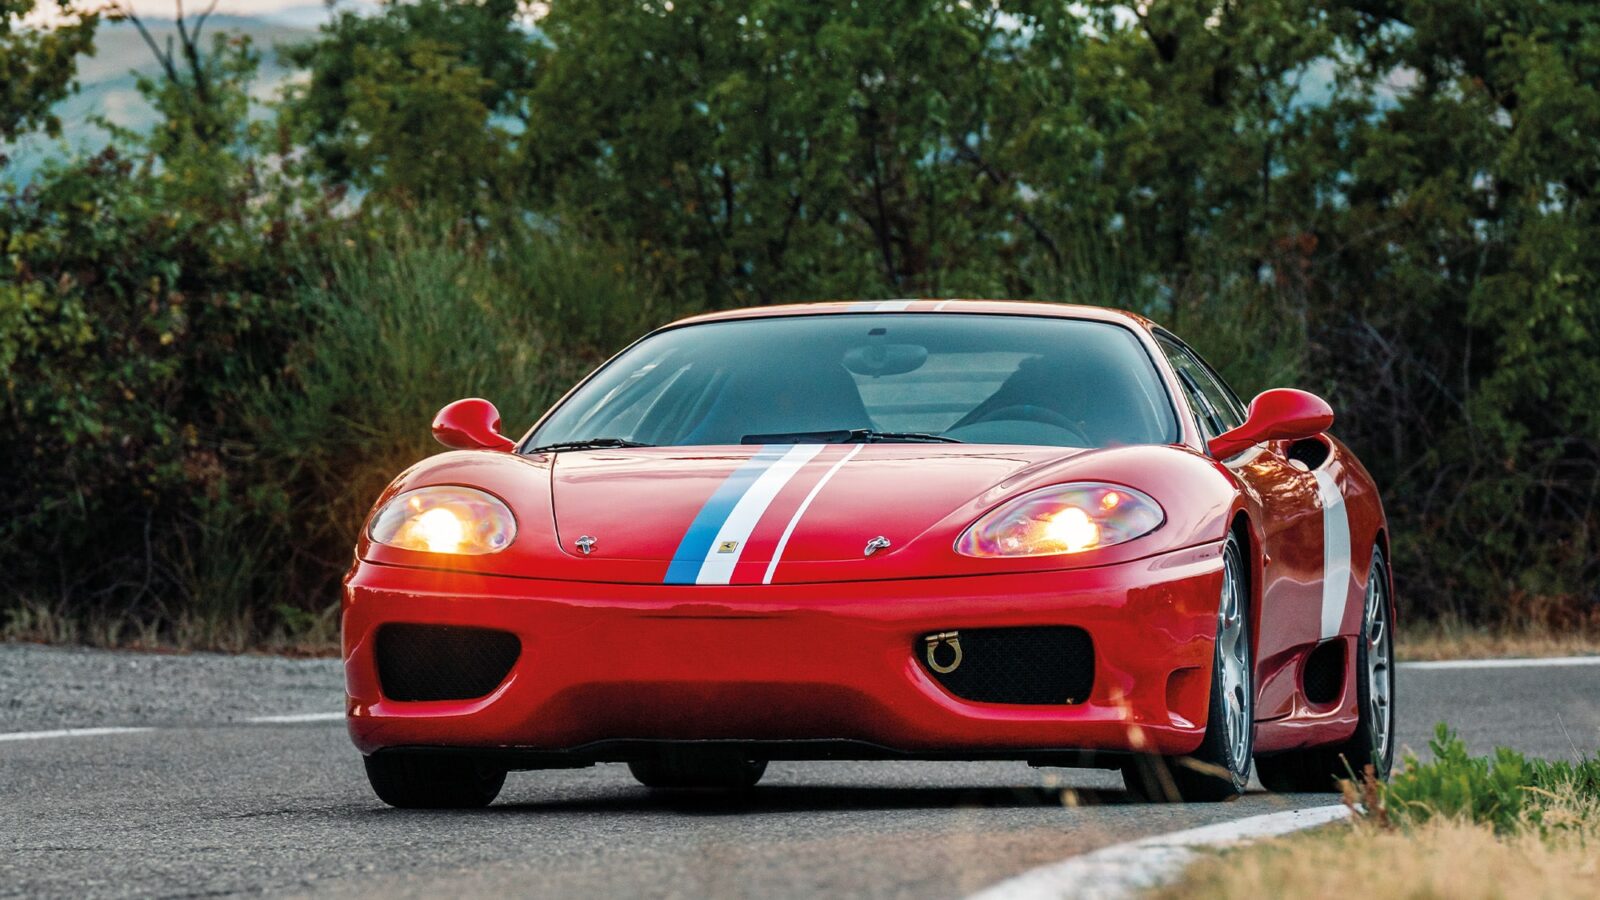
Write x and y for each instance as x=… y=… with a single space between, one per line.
x=445 y=519
x=1063 y=518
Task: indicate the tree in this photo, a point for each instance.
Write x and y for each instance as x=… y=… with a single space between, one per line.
x=780 y=148
x=1468 y=278
x=418 y=102
x=144 y=288
x=37 y=64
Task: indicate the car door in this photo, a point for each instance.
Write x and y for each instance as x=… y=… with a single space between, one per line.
x=1290 y=522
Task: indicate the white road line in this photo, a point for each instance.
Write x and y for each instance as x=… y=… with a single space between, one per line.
x=1125 y=870
x=1529 y=663
x=67 y=733
x=297 y=717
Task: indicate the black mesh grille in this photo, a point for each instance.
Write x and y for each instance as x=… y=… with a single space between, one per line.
x=1043 y=665
x=443 y=662
x=1324 y=673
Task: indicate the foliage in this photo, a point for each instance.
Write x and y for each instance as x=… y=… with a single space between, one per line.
x=1398 y=194
x=144 y=287
x=417 y=103
x=1390 y=203
x=37 y=65
x=777 y=149
x=1504 y=790
x=408 y=315
x=1468 y=288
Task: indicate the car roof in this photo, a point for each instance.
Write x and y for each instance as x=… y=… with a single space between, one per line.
x=990 y=307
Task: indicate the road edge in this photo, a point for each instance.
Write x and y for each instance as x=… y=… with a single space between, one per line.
x=1125 y=870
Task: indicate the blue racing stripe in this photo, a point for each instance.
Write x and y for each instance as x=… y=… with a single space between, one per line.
x=696 y=543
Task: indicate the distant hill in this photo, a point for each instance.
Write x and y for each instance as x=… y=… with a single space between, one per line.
x=107 y=88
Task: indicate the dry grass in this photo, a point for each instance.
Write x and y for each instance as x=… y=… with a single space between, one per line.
x=39 y=623
x=1551 y=849
x=1445 y=639
x=1443 y=859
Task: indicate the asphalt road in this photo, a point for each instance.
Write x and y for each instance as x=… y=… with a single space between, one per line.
x=208 y=802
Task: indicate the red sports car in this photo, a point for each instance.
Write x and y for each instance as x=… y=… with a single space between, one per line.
x=926 y=529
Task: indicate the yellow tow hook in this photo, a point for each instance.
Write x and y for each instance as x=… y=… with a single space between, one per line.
x=953 y=638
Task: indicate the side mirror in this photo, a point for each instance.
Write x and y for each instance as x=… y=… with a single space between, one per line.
x=470 y=424
x=1281 y=414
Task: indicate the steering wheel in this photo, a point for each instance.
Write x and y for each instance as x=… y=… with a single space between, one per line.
x=1028 y=412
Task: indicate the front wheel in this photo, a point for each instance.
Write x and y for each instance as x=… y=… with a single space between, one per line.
x=1219 y=769
x=433 y=781
x=1319 y=769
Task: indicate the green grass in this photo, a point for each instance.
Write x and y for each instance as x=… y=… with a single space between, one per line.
x=1504 y=790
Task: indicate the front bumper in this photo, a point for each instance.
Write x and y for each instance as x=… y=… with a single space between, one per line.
x=620 y=665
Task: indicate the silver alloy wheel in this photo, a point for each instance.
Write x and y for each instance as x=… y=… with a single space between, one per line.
x=1233 y=655
x=1380 y=651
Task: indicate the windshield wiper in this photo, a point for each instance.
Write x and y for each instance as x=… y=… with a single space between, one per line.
x=590 y=444
x=869 y=436
x=849 y=436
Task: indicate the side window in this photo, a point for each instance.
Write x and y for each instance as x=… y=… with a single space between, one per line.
x=1218 y=392
x=1217 y=408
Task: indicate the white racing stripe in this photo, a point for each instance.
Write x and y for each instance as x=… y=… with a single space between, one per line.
x=777 y=552
x=1127 y=870
x=718 y=566
x=1528 y=663
x=296 y=717
x=67 y=733
x=1335 y=554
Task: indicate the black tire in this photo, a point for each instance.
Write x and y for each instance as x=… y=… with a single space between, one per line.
x=1219 y=769
x=708 y=768
x=1319 y=769
x=433 y=781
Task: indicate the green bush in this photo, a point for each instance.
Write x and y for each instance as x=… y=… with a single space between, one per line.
x=409 y=315
x=220 y=338
x=1505 y=789
x=132 y=312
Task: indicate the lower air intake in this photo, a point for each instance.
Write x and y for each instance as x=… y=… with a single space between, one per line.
x=443 y=662
x=1035 y=665
x=1323 y=674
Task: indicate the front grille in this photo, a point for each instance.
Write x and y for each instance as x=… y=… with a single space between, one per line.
x=1049 y=664
x=443 y=662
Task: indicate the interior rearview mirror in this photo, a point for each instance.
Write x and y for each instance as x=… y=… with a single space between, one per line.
x=874 y=360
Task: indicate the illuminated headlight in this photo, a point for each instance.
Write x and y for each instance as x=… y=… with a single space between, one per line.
x=445 y=519
x=1062 y=518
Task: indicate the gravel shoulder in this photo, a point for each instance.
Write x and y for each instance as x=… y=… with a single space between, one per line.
x=67 y=687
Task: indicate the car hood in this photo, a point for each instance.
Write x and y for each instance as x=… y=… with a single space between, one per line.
x=776 y=514
x=715 y=507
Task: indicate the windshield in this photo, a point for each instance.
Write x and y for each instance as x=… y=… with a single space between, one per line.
x=832 y=378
